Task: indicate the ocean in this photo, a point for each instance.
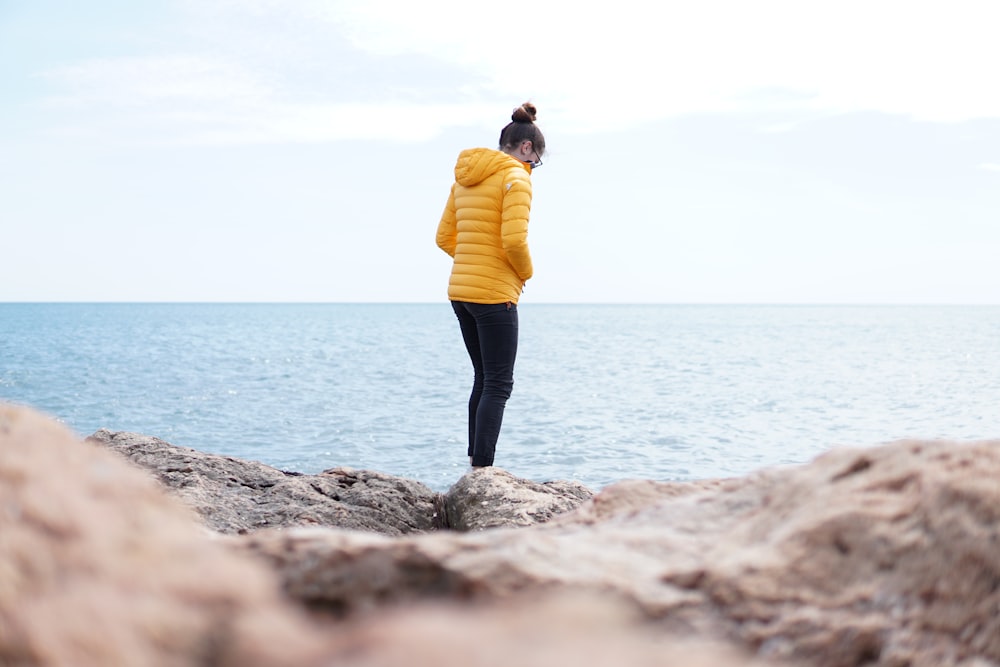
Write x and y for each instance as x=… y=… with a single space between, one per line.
x=602 y=393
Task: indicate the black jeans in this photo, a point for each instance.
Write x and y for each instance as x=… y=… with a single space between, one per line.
x=490 y=334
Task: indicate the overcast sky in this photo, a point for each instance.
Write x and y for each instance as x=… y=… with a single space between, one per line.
x=719 y=151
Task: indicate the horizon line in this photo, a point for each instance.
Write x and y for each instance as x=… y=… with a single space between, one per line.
x=537 y=303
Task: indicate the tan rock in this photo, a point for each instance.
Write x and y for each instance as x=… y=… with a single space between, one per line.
x=98 y=567
x=492 y=498
x=623 y=498
x=885 y=557
x=881 y=556
x=529 y=631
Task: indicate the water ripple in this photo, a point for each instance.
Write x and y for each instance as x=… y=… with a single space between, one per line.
x=602 y=393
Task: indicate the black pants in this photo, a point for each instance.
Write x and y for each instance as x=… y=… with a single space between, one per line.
x=490 y=334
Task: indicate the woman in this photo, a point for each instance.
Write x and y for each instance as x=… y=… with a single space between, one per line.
x=484 y=227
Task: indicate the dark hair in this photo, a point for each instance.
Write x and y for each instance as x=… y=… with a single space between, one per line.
x=522 y=128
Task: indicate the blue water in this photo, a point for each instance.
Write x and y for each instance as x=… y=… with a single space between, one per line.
x=602 y=392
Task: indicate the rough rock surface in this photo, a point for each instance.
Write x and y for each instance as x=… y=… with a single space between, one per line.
x=886 y=556
x=493 y=498
x=237 y=496
x=233 y=495
x=99 y=567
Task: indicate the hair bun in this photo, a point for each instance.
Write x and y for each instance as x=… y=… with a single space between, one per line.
x=525 y=113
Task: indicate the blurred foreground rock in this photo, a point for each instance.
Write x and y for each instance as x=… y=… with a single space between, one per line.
x=571 y=630
x=878 y=557
x=884 y=556
x=99 y=567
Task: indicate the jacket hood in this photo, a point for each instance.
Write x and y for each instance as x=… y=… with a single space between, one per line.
x=475 y=165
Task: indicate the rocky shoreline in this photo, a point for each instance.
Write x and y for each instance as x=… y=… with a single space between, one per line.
x=236 y=496
x=122 y=549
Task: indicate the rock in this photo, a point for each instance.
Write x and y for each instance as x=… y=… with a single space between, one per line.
x=880 y=557
x=233 y=495
x=99 y=567
x=623 y=498
x=531 y=631
x=491 y=498
x=886 y=556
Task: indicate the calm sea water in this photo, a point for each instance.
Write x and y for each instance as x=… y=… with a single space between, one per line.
x=602 y=392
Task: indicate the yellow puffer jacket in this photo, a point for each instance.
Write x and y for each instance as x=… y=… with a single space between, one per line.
x=484 y=227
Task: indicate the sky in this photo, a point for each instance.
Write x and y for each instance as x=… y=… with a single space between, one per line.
x=720 y=151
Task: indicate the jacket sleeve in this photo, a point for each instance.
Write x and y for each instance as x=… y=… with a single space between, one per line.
x=447 y=235
x=514 y=225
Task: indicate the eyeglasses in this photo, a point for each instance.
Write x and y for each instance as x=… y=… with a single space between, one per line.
x=538 y=163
